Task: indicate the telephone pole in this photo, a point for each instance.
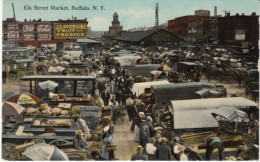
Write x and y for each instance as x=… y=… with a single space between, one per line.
x=15 y=32
x=157 y=21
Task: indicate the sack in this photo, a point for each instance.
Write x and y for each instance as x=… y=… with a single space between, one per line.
x=110 y=148
x=145 y=131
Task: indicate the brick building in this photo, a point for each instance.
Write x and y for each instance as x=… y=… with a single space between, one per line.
x=238 y=29
x=179 y=26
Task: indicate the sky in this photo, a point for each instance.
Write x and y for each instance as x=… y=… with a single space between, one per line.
x=132 y=13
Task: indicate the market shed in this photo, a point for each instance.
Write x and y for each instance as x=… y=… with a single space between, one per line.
x=148 y=38
x=142 y=69
x=138 y=88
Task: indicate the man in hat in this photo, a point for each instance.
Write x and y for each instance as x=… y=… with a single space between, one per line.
x=177 y=148
x=144 y=133
x=163 y=151
x=158 y=136
x=78 y=142
x=138 y=125
x=139 y=155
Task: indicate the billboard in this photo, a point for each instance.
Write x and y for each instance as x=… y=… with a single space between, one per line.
x=70 y=30
x=44 y=31
x=240 y=35
x=11 y=30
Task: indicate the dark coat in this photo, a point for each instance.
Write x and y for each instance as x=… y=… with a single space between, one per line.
x=78 y=143
x=163 y=152
x=139 y=156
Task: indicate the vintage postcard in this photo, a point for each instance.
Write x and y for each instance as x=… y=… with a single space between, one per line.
x=130 y=80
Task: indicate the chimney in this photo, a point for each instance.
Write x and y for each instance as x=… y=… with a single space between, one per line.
x=253 y=14
x=242 y=14
x=237 y=14
x=215 y=11
x=228 y=14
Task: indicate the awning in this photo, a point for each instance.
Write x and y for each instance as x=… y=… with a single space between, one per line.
x=230 y=113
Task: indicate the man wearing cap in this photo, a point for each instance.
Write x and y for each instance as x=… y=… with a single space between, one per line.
x=139 y=155
x=144 y=133
x=158 y=137
x=163 y=151
x=78 y=142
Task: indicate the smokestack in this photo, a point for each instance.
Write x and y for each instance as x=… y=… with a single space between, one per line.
x=215 y=11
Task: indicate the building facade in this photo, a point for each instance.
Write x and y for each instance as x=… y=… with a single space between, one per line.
x=179 y=26
x=241 y=30
x=37 y=33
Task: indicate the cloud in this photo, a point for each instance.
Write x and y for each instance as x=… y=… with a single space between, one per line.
x=99 y=23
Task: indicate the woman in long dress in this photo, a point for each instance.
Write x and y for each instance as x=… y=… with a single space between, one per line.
x=137 y=126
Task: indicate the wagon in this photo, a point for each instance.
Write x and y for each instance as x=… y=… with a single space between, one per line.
x=190 y=70
x=143 y=69
x=20 y=67
x=252 y=82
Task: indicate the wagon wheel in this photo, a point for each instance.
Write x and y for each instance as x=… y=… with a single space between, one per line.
x=92 y=122
x=247 y=90
x=8 y=151
x=58 y=142
x=12 y=77
x=249 y=140
x=75 y=156
x=20 y=75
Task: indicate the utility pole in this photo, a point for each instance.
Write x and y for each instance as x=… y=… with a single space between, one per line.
x=157 y=21
x=15 y=33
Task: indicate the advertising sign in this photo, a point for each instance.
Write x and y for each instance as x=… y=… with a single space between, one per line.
x=11 y=28
x=240 y=35
x=28 y=28
x=28 y=36
x=44 y=31
x=70 y=30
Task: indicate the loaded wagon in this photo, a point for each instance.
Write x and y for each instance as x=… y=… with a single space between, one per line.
x=20 y=67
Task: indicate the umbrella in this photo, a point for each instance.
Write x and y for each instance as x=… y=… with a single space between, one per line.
x=52 y=70
x=59 y=68
x=24 y=99
x=156 y=73
x=45 y=152
x=64 y=63
x=49 y=85
x=164 y=68
x=10 y=108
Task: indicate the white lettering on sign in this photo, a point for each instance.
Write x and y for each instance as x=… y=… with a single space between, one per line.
x=43 y=28
x=28 y=28
x=11 y=34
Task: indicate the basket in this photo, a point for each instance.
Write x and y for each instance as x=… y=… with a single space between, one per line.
x=111 y=148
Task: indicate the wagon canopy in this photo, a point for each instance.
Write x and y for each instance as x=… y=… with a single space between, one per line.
x=138 y=88
x=143 y=70
x=128 y=60
x=190 y=114
x=230 y=113
x=180 y=91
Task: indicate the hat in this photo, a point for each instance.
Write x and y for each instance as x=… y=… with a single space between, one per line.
x=163 y=139
x=139 y=147
x=106 y=128
x=141 y=114
x=79 y=132
x=176 y=139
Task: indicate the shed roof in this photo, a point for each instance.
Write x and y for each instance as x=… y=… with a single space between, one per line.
x=22 y=60
x=140 y=35
x=87 y=40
